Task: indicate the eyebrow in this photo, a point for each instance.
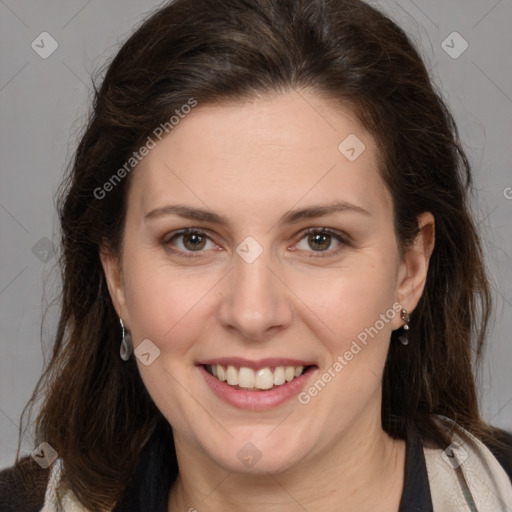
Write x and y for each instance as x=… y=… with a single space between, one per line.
x=290 y=217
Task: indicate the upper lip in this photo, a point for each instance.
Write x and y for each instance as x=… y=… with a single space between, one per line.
x=256 y=364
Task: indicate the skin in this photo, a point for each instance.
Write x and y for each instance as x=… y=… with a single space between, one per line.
x=252 y=162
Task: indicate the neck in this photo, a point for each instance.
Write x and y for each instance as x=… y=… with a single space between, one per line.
x=361 y=472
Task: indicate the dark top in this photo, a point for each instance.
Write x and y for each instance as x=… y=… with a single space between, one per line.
x=22 y=487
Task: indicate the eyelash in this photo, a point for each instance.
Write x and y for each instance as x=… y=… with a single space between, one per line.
x=343 y=240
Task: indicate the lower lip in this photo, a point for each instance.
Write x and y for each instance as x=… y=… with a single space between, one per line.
x=257 y=400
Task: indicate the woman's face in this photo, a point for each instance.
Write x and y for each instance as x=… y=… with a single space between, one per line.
x=253 y=290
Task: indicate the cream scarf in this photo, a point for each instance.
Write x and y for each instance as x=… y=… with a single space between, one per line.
x=466 y=477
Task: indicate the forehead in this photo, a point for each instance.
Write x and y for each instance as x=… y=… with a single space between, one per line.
x=269 y=152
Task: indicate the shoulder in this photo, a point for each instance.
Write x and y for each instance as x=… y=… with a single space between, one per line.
x=482 y=469
x=501 y=448
x=23 y=486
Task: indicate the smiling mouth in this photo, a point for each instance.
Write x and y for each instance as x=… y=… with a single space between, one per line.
x=262 y=379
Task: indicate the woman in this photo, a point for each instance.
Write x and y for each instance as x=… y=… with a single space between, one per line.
x=273 y=289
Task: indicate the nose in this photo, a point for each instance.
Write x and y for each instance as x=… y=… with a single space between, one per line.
x=256 y=300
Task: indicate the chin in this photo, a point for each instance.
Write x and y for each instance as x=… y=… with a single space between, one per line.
x=258 y=457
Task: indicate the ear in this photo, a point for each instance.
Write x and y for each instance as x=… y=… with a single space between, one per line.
x=114 y=277
x=414 y=266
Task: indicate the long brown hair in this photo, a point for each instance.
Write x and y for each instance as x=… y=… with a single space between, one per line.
x=96 y=412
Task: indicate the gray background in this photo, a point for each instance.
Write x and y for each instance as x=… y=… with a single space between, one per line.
x=43 y=105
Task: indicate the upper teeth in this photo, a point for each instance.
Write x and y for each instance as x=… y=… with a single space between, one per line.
x=264 y=378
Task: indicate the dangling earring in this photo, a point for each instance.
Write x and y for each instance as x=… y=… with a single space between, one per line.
x=404 y=338
x=126 y=343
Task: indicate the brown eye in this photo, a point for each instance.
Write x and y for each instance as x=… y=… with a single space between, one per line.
x=187 y=241
x=194 y=241
x=321 y=240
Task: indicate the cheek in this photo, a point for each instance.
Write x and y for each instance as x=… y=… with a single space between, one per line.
x=171 y=309
x=354 y=311
x=350 y=300
x=165 y=305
